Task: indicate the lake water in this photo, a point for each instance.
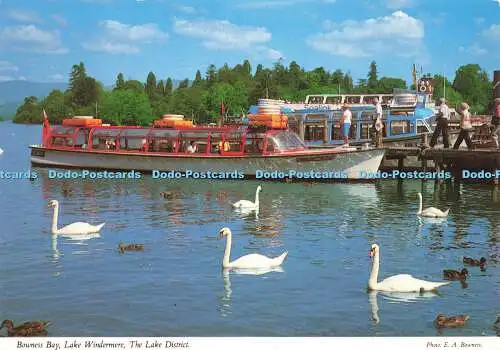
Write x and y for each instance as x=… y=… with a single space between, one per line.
x=176 y=286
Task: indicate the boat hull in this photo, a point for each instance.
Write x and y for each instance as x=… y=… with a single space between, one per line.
x=352 y=163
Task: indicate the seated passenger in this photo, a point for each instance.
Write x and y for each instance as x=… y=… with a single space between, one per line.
x=192 y=147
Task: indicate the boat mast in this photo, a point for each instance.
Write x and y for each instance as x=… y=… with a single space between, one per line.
x=414 y=75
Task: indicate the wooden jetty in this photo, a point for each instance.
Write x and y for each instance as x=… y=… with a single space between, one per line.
x=455 y=161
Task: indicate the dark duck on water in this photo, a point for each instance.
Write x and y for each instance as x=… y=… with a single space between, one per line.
x=27 y=329
x=456 y=275
x=130 y=247
x=470 y=261
x=443 y=321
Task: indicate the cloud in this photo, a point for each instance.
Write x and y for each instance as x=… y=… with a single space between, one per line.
x=223 y=35
x=4 y=78
x=59 y=19
x=399 y=4
x=7 y=66
x=57 y=77
x=475 y=50
x=493 y=32
x=187 y=9
x=29 y=38
x=479 y=20
x=266 y=4
x=119 y=38
x=398 y=33
x=24 y=16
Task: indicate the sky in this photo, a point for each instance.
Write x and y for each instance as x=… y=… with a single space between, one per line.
x=40 y=40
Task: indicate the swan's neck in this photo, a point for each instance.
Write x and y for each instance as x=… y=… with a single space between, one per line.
x=257 y=198
x=419 y=204
x=372 y=281
x=54 y=219
x=227 y=251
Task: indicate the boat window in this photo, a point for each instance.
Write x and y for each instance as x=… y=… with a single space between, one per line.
x=196 y=139
x=163 y=140
x=368 y=99
x=61 y=141
x=82 y=138
x=314 y=132
x=254 y=143
x=315 y=99
x=353 y=131
x=399 y=127
x=233 y=142
x=135 y=133
x=63 y=130
x=333 y=100
x=365 y=131
x=286 y=140
x=386 y=100
x=353 y=99
x=367 y=115
x=105 y=138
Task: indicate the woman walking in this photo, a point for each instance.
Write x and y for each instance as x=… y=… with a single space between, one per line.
x=465 y=127
x=345 y=123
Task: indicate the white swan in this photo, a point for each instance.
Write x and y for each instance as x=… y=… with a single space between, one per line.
x=397 y=283
x=250 y=261
x=1 y=151
x=430 y=212
x=76 y=228
x=244 y=204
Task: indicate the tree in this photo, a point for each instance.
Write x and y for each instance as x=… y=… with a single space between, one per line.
x=453 y=97
x=57 y=106
x=184 y=84
x=473 y=84
x=197 y=79
x=371 y=84
x=386 y=85
x=126 y=107
x=169 y=89
x=134 y=85
x=1 y=119
x=151 y=85
x=120 y=81
x=30 y=112
x=211 y=75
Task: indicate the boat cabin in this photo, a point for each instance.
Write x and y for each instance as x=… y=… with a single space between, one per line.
x=194 y=140
x=318 y=128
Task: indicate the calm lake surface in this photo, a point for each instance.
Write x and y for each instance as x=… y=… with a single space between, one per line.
x=176 y=286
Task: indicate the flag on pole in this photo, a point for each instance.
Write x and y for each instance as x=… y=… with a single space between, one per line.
x=46 y=127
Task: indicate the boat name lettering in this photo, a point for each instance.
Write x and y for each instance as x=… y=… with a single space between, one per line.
x=18 y=175
x=293 y=174
x=397 y=174
x=88 y=174
x=190 y=174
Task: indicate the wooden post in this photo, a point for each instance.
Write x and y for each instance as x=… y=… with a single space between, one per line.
x=495 y=179
x=326 y=133
x=301 y=128
x=439 y=166
x=401 y=163
x=423 y=140
x=496 y=83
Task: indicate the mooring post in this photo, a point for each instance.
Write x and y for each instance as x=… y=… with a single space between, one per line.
x=423 y=140
x=439 y=166
x=495 y=179
x=401 y=163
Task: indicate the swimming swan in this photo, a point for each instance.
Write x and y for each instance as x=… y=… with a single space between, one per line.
x=79 y=228
x=244 y=204
x=430 y=212
x=1 y=151
x=397 y=283
x=250 y=261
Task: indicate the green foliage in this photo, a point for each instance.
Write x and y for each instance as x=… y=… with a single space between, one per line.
x=126 y=107
x=1 y=119
x=134 y=102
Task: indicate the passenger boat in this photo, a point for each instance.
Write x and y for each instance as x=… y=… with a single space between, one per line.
x=82 y=143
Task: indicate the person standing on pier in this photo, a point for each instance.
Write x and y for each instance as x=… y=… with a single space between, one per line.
x=465 y=127
x=442 y=118
x=495 y=121
x=378 y=125
x=345 y=123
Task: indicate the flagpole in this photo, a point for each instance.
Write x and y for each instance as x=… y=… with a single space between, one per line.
x=444 y=81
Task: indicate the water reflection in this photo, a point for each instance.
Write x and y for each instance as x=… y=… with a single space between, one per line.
x=225 y=301
x=395 y=298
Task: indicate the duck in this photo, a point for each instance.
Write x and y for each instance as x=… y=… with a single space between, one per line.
x=76 y=228
x=245 y=204
x=456 y=275
x=167 y=195
x=430 y=212
x=470 y=261
x=27 y=329
x=130 y=247
x=250 y=261
x=443 y=321
x=399 y=283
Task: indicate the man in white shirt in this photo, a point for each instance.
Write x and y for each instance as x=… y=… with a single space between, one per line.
x=378 y=125
x=345 y=123
x=442 y=119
